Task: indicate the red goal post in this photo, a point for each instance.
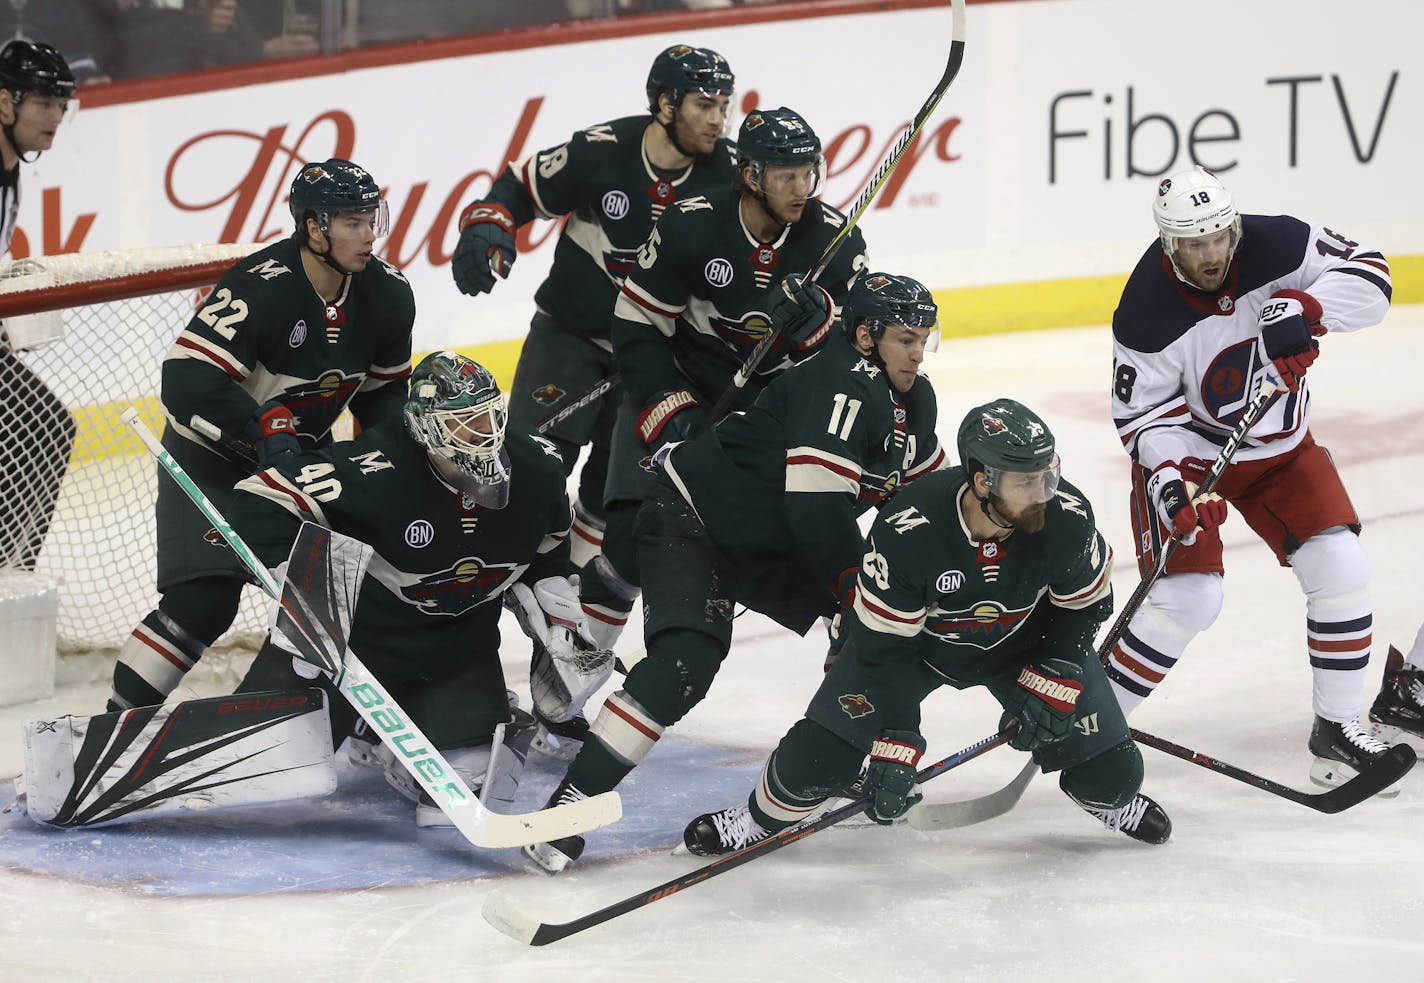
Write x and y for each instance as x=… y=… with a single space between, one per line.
x=85 y=338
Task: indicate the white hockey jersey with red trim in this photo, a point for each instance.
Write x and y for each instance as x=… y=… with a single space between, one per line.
x=1186 y=362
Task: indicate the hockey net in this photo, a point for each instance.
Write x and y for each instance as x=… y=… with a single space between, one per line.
x=85 y=337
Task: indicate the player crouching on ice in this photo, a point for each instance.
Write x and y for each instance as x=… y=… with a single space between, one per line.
x=988 y=574
x=461 y=514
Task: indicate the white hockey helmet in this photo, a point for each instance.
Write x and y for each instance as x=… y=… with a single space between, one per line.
x=1190 y=204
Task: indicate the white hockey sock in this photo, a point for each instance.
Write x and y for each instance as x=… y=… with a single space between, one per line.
x=1334 y=574
x=1178 y=607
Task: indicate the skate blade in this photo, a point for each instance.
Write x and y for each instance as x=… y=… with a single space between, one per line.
x=547 y=859
x=1329 y=773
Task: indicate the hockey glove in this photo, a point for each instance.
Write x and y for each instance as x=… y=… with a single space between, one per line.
x=673 y=416
x=1043 y=702
x=801 y=311
x=486 y=247
x=568 y=665
x=273 y=433
x=1289 y=324
x=890 y=776
x=1182 y=514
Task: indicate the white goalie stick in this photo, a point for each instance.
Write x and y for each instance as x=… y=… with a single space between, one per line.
x=317 y=599
x=877 y=181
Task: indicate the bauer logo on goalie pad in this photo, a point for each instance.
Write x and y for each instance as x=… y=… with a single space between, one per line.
x=179 y=758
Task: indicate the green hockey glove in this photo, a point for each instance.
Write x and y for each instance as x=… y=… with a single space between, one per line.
x=890 y=777
x=1044 y=703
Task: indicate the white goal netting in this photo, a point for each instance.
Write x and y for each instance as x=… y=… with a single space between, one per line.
x=84 y=338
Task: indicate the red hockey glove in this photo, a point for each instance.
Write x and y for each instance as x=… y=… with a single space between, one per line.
x=1183 y=516
x=1289 y=324
x=273 y=433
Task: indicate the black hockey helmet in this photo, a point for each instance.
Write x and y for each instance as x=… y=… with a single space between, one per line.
x=880 y=299
x=29 y=66
x=777 y=137
x=682 y=69
x=332 y=186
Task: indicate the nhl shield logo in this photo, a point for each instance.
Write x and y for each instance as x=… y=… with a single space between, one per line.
x=855 y=705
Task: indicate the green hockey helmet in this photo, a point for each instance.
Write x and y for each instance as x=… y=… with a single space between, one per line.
x=457 y=413
x=1004 y=438
x=682 y=69
x=772 y=137
x=327 y=188
x=878 y=300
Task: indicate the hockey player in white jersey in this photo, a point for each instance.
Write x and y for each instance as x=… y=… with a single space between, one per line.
x=1217 y=303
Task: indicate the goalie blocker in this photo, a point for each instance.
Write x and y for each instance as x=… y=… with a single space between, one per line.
x=179 y=758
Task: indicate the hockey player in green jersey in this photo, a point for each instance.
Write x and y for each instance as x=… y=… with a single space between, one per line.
x=988 y=574
x=462 y=514
x=291 y=336
x=717 y=273
x=613 y=181
x=761 y=510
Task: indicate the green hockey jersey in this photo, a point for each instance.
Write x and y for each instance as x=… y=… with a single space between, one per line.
x=823 y=441
x=603 y=181
x=694 y=306
x=441 y=562
x=971 y=609
x=264 y=333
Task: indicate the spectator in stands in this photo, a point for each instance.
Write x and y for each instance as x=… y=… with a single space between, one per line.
x=36 y=430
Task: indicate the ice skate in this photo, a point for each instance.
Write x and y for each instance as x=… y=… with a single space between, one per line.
x=1142 y=819
x=1341 y=750
x=1398 y=710
x=728 y=831
x=552 y=857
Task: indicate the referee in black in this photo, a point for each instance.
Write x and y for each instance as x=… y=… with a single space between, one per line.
x=36 y=430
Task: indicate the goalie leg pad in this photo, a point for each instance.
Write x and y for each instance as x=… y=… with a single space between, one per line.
x=196 y=755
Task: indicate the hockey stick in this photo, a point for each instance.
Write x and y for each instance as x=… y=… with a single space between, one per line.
x=931 y=816
x=316 y=602
x=1260 y=403
x=950 y=815
x=569 y=409
x=500 y=912
x=1374 y=777
x=877 y=181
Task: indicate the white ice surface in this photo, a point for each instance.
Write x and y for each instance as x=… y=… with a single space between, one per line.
x=1251 y=887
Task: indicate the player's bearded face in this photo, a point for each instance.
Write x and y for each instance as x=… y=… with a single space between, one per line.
x=700 y=120
x=1026 y=518
x=1204 y=260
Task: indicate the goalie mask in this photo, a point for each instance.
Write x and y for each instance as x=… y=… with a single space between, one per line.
x=879 y=300
x=1015 y=450
x=1192 y=205
x=456 y=412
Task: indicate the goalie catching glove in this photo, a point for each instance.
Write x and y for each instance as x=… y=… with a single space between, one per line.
x=568 y=665
x=1044 y=701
